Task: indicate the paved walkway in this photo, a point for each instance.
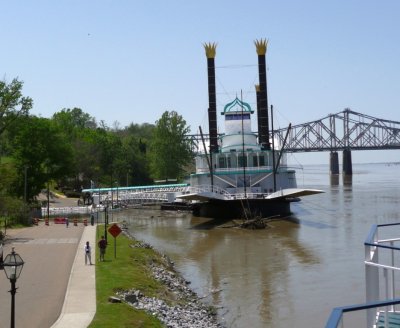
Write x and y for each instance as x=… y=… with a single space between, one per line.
x=80 y=300
x=56 y=288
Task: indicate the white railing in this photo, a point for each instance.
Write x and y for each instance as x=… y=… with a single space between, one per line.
x=247 y=168
x=381 y=266
x=206 y=188
x=54 y=211
x=382 y=271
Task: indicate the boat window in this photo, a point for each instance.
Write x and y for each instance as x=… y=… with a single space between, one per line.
x=236 y=117
x=222 y=162
x=262 y=160
x=255 y=160
x=242 y=160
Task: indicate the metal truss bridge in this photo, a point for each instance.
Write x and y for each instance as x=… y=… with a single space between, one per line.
x=347 y=130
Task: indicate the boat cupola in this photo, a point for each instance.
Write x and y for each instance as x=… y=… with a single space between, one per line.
x=236 y=113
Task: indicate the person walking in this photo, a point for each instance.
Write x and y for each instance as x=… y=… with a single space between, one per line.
x=102 y=246
x=88 y=253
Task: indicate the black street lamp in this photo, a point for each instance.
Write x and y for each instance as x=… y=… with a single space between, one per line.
x=105 y=222
x=117 y=194
x=26 y=183
x=13 y=264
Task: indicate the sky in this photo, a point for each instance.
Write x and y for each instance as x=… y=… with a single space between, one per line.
x=129 y=61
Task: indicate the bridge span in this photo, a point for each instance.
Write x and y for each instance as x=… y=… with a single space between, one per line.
x=344 y=131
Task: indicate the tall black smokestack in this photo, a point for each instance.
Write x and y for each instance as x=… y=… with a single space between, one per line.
x=258 y=110
x=212 y=101
x=263 y=131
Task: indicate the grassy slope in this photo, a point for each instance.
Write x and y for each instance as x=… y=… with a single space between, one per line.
x=127 y=271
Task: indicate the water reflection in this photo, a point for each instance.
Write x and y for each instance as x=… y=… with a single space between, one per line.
x=347 y=180
x=297 y=269
x=334 y=178
x=240 y=271
x=208 y=224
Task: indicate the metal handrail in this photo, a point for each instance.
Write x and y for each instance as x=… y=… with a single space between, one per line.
x=383 y=266
x=372 y=232
x=337 y=313
x=372 y=245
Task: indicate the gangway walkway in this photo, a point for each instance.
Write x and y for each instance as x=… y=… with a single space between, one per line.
x=156 y=194
x=121 y=196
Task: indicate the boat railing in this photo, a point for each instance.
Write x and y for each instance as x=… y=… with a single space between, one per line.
x=206 y=188
x=382 y=265
x=382 y=271
x=248 y=169
x=152 y=195
x=351 y=316
x=249 y=195
x=226 y=194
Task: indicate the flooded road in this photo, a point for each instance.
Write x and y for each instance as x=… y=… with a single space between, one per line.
x=293 y=273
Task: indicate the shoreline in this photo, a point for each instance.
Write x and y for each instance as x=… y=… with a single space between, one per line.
x=189 y=311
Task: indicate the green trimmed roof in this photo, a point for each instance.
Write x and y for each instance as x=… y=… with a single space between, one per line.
x=237 y=106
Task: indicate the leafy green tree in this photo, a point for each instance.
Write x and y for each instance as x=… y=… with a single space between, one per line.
x=11 y=207
x=169 y=150
x=136 y=166
x=8 y=176
x=12 y=103
x=143 y=131
x=111 y=157
x=79 y=129
x=43 y=151
x=74 y=120
x=135 y=140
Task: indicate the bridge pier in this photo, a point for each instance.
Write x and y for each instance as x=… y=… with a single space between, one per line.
x=347 y=164
x=334 y=163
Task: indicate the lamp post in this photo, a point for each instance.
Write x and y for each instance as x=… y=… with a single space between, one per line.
x=105 y=222
x=13 y=264
x=25 y=183
x=117 y=194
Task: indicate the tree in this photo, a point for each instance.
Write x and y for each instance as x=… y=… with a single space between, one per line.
x=136 y=166
x=135 y=139
x=39 y=146
x=169 y=150
x=8 y=176
x=12 y=103
x=79 y=129
x=73 y=120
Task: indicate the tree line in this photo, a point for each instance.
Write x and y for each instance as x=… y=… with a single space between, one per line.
x=71 y=150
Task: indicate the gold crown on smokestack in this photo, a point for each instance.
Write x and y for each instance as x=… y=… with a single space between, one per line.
x=210 y=49
x=261 y=46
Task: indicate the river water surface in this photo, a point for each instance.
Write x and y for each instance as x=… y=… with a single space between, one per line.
x=293 y=273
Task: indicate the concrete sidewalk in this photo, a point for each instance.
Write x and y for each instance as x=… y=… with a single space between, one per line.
x=80 y=300
x=56 y=288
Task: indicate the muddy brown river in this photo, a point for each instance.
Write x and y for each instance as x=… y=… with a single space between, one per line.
x=293 y=273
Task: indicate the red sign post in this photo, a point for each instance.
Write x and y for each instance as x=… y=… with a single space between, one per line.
x=114 y=230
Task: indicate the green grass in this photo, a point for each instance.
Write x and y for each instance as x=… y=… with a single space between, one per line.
x=129 y=270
